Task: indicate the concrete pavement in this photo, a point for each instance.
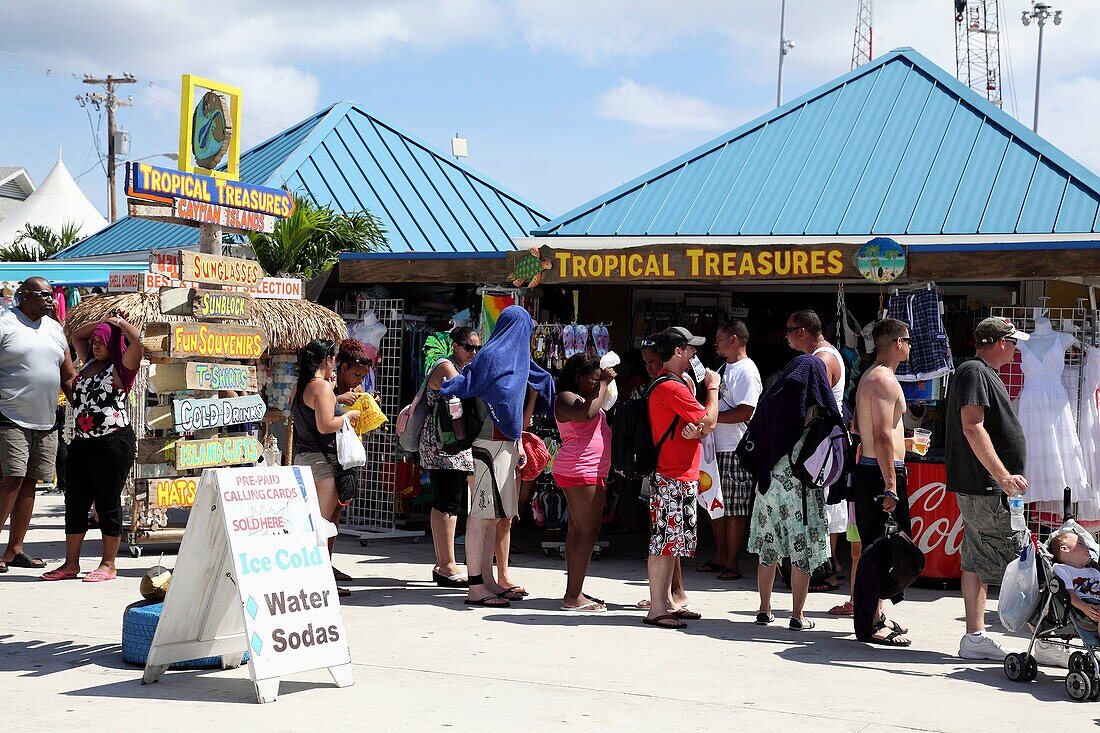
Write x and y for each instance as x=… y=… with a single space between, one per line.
x=424 y=661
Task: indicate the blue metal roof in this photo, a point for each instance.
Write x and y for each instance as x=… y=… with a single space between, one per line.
x=348 y=159
x=68 y=273
x=895 y=147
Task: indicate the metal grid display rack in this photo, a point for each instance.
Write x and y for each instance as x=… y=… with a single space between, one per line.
x=1083 y=324
x=373 y=514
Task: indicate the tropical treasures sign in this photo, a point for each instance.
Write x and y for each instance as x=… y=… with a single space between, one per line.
x=165 y=185
x=703 y=263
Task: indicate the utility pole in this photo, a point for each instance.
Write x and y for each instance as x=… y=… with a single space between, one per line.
x=785 y=46
x=111 y=102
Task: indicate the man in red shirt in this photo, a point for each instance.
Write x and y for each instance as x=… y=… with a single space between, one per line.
x=676 y=481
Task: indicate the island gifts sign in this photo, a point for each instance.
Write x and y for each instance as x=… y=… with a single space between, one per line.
x=258 y=561
x=710 y=263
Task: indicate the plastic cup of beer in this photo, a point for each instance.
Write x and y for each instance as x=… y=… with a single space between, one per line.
x=922 y=440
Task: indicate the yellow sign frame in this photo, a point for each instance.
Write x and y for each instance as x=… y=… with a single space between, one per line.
x=187 y=106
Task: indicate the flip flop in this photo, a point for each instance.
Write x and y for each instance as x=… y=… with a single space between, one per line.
x=644 y=603
x=511 y=595
x=888 y=640
x=22 y=561
x=590 y=607
x=796 y=625
x=489 y=602
x=658 y=622
x=709 y=567
x=824 y=587
x=98 y=576
x=686 y=614
x=518 y=590
x=58 y=575
x=730 y=574
x=458 y=580
x=340 y=575
x=3 y=567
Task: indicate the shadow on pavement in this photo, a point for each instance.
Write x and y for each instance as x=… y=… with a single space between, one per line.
x=36 y=658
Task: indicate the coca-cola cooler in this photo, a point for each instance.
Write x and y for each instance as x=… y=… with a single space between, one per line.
x=937 y=526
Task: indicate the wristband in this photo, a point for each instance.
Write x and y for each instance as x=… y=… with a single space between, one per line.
x=712 y=389
x=892 y=495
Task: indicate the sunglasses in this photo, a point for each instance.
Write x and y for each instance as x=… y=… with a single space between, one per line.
x=360 y=362
x=38 y=293
x=906 y=339
x=469 y=348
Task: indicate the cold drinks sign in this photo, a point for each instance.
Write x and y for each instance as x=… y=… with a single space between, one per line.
x=269 y=579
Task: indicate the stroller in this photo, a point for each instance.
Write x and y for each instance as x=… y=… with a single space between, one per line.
x=1053 y=619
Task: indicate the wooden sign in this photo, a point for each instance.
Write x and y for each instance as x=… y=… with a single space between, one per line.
x=125 y=282
x=164 y=270
x=205 y=304
x=218 y=270
x=164 y=378
x=173 y=492
x=213 y=452
x=705 y=263
x=190 y=414
x=253 y=575
x=224 y=216
x=205 y=340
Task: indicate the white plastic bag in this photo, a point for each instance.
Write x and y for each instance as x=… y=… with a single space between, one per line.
x=1019 y=590
x=349 y=448
x=610 y=359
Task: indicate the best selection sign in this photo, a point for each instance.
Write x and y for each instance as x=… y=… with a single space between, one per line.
x=152 y=183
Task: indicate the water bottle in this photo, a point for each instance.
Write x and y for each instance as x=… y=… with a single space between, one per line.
x=458 y=425
x=1016 y=510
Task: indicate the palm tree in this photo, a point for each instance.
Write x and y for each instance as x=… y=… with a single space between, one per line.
x=39 y=242
x=309 y=242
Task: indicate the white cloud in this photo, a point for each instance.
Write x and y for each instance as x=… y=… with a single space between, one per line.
x=278 y=95
x=658 y=109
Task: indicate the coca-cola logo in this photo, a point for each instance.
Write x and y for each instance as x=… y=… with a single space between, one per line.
x=933 y=530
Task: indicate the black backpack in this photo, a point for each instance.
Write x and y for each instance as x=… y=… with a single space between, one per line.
x=633 y=450
x=470 y=424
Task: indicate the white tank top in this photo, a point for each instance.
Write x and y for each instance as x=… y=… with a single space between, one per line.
x=838 y=388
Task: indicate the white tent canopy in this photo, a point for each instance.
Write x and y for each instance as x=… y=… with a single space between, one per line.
x=56 y=202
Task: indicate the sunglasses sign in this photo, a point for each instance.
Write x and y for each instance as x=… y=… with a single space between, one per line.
x=704 y=263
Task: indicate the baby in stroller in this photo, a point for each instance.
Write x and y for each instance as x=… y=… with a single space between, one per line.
x=1067 y=607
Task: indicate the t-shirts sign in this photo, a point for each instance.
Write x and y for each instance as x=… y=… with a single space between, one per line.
x=253 y=575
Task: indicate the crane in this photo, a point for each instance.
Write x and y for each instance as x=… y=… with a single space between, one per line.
x=978 y=46
x=861 y=44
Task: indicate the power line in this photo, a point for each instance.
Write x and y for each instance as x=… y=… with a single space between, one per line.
x=111 y=102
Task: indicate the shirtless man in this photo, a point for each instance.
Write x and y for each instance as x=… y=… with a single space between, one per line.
x=879 y=479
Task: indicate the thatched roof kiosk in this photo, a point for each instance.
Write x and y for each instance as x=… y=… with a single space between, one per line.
x=290 y=324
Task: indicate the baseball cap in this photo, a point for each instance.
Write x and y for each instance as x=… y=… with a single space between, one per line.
x=670 y=338
x=995 y=328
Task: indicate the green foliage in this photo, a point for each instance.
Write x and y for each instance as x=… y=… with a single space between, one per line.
x=309 y=242
x=39 y=242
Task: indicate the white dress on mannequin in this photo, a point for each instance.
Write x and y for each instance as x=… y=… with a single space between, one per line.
x=1054 y=459
x=1089 y=424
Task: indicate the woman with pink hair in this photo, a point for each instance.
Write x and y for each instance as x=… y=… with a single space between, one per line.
x=103 y=447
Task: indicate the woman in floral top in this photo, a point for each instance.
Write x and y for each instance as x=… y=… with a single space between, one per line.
x=103 y=447
x=449 y=474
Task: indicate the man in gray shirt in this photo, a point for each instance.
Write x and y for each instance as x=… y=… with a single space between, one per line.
x=34 y=365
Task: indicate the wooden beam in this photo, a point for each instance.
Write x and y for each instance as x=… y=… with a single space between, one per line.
x=481 y=270
x=1016 y=265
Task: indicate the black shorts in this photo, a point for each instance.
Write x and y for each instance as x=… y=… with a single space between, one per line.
x=867 y=485
x=450 y=489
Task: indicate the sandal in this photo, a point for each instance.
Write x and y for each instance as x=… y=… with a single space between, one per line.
x=890 y=639
x=517 y=590
x=458 y=580
x=844 y=609
x=763 y=618
x=97 y=576
x=22 y=561
x=58 y=574
x=489 y=602
x=644 y=603
x=823 y=586
x=796 y=625
x=340 y=575
x=685 y=614
x=3 y=567
x=730 y=574
x=883 y=622
x=660 y=622
x=709 y=567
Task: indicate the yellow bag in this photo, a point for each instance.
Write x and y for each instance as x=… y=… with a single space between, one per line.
x=371 y=416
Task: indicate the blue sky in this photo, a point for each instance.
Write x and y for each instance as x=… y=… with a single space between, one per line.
x=561 y=100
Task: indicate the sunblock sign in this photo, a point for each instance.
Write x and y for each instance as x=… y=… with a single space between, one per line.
x=153 y=183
